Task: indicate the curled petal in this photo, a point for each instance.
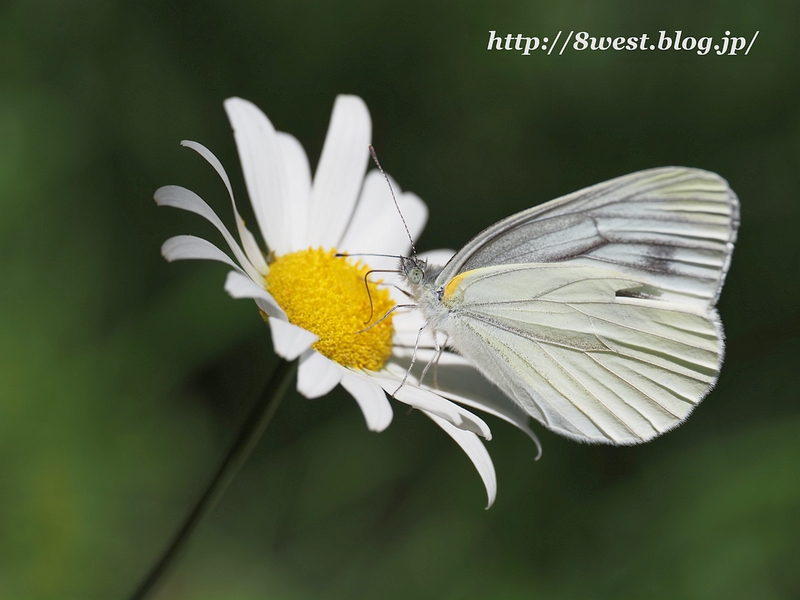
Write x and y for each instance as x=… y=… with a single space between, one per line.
x=189 y=247
x=248 y=241
x=476 y=451
x=179 y=197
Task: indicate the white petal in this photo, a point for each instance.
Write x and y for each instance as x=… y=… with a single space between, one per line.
x=298 y=180
x=425 y=400
x=189 y=247
x=213 y=161
x=270 y=309
x=475 y=450
x=376 y=225
x=340 y=171
x=457 y=380
x=179 y=197
x=239 y=286
x=407 y=323
x=248 y=241
x=371 y=398
x=289 y=340
x=415 y=212
x=437 y=258
x=421 y=399
x=264 y=173
x=317 y=375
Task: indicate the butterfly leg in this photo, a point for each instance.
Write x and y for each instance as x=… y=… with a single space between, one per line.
x=434 y=361
x=390 y=311
x=413 y=359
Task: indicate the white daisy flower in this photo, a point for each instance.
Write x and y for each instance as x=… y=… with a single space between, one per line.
x=316 y=303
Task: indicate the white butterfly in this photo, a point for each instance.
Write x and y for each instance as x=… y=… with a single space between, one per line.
x=595 y=311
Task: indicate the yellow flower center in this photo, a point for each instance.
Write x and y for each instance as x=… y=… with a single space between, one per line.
x=327 y=296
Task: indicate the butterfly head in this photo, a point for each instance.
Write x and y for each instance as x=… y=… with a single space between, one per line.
x=414 y=269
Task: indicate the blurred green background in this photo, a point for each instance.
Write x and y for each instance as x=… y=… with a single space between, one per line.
x=123 y=379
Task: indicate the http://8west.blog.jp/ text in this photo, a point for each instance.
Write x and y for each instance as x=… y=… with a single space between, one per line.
x=725 y=45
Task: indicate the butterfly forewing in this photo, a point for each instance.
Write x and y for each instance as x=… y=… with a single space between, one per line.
x=673 y=227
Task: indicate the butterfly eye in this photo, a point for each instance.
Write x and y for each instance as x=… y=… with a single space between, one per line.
x=415 y=275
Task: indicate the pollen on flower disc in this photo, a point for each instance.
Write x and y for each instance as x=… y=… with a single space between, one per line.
x=326 y=295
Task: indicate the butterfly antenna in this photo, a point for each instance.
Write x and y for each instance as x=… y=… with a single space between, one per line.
x=397 y=206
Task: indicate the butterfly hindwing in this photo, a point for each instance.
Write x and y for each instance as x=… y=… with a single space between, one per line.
x=586 y=361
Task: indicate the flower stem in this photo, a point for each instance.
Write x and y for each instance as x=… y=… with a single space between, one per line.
x=250 y=433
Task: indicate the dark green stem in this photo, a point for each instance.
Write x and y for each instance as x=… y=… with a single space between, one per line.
x=249 y=435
